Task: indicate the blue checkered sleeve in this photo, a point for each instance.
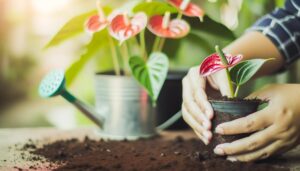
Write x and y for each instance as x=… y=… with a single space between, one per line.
x=282 y=27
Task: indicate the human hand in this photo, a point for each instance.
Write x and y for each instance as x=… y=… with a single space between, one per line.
x=196 y=109
x=276 y=127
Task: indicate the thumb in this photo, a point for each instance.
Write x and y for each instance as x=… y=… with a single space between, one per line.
x=225 y=90
x=221 y=82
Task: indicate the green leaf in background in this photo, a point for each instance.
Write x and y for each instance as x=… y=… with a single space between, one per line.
x=72 y=28
x=154 y=8
x=245 y=70
x=98 y=41
x=210 y=26
x=150 y=75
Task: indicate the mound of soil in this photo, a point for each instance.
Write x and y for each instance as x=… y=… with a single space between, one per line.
x=151 y=154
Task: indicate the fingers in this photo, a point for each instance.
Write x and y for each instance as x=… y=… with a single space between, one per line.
x=202 y=133
x=248 y=124
x=202 y=101
x=202 y=138
x=257 y=155
x=196 y=109
x=197 y=85
x=200 y=97
x=253 y=142
x=196 y=81
x=191 y=107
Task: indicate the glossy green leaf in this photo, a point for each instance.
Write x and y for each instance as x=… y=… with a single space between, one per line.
x=93 y=48
x=72 y=28
x=154 y=8
x=210 y=26
x=150 y=75
x=245 y=70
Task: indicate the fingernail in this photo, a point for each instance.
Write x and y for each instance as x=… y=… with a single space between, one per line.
x=219 y=130
x=206 y=125
x=222 y=146
x=232 y=159
x=205 y=141
x=219 y=151
x=207 y=135
x=208 y=114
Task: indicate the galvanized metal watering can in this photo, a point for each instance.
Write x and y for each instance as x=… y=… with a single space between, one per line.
x=123 y=110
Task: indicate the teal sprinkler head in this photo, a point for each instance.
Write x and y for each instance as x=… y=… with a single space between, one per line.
x=53 y=84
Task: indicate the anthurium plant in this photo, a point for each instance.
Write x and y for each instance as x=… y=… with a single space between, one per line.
x=238 y=72
x=123 y=31
x=150 y=70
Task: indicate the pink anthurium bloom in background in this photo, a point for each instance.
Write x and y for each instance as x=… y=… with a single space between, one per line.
x=97 y=22
x=122 y=27
x=162 y=26
x=213 y=63
x=188 y=8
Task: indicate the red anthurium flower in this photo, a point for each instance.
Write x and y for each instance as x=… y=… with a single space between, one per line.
x=97 y=22
x=122 y=27
x=188 y=8
x=163 y=27
x=213 y=63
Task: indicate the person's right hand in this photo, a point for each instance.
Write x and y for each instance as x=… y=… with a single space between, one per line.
x=196 y=109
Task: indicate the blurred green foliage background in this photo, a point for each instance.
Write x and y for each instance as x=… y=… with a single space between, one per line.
x=26 y=26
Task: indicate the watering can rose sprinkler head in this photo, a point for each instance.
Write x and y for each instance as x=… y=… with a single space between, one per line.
x=53 y=84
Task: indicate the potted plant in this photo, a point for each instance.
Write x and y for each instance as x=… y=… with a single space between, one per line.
x=131 y=90
x=231 y=107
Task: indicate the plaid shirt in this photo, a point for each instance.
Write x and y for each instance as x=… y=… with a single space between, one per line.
x=282 y=27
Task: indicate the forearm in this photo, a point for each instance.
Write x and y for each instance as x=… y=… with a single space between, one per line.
x=256 y=45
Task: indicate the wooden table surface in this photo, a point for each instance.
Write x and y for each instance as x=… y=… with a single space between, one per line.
x=10 y=156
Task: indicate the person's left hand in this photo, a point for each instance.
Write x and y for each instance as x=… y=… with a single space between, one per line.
x=276 y=127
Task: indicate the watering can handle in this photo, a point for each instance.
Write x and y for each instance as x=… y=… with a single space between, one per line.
x=169 y=122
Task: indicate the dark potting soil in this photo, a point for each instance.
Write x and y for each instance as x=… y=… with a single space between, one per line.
x=237 y=99
x=151 y=154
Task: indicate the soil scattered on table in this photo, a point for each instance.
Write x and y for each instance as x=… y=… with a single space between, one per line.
x=151 y=154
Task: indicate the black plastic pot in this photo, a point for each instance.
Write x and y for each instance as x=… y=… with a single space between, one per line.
x=235 y=107
x=228 y=110
x=170 y=100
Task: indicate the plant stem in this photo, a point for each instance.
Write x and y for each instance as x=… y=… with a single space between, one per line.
x=236 y=90
x=114 y=56
x=126 y=59
x=156 y=44
x=225 y=62
x=161 y=44
x=222 y=55
x=179 y=16
x=143 y=46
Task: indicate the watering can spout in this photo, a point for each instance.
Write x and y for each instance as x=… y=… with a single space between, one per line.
x=53 y=84
x=87 y=110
